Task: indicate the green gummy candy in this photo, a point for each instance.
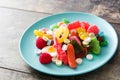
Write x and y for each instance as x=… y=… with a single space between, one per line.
x=53 y=26
x=95 y=46
x=66 y=21
x=104 y=43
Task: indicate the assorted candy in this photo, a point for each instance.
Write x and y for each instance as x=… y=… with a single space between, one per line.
x=67 y=43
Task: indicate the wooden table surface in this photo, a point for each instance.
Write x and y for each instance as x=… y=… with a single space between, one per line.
x=17 y=15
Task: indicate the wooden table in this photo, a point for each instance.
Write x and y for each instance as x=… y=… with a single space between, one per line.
x=17 y=15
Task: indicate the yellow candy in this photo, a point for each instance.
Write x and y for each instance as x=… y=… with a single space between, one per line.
x=49 y=36
x=38 y=33
x=83 y=35
x=79 y=30
x=61 y=34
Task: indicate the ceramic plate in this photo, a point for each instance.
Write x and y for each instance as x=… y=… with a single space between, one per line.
x=27 y=45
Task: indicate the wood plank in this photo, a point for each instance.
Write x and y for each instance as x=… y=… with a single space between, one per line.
x=104 y=73
x=13 y=23
x=107 y=9
x=13 y=75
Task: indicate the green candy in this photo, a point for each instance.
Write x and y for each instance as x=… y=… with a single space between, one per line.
x=53 y=26
x=95 y=46
x=104 y=43
x=66 y=21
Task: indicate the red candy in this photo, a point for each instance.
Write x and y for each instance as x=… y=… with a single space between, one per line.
x=63 y=57
x=45 y=58
x=85 y=25
x=93 y=29
x=40 y=43
x=74 y=25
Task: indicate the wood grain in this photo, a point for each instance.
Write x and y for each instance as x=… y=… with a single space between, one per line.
x=13 y=24
x=107 y=9
x=17 y=15
x=6 y=74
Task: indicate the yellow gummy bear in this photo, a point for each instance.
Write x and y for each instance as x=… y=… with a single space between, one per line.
x=79 y=30
x=61 y=34
x=82 y=33
x=38 y=33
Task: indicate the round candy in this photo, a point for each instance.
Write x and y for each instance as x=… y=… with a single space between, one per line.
x=89 y=56
x=79 y=60
x=58 y=62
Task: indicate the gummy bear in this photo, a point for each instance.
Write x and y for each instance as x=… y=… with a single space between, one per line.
x=82 y=33
x=95 y=46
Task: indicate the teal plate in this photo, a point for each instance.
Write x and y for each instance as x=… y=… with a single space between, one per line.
x=27 y=45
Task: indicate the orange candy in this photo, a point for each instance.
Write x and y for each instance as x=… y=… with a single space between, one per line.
x=71 y=56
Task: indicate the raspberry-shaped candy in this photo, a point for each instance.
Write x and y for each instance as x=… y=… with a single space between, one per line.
x=40 y=43
x=45 y=58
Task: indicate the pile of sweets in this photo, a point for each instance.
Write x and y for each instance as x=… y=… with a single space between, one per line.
x=68 y=43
